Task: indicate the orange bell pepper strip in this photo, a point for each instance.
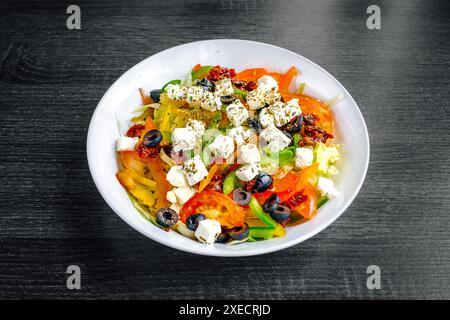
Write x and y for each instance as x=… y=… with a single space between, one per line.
x=145 y=98
x=158 y=174
x=212 y=171
x=287 y=78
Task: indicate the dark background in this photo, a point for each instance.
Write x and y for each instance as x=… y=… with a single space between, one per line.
x=52 y=216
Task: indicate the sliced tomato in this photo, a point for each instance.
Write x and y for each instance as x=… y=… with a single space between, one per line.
x=308 y=208
x=214 y=205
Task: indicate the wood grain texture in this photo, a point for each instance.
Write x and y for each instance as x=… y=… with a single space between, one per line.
x=52 y=215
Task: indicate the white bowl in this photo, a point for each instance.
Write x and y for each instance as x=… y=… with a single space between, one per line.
x=175 y=63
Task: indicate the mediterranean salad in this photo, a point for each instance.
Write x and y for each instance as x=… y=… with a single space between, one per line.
x=229 y=157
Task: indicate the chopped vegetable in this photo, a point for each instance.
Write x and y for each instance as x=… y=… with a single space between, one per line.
x=259 y=212
x=200 y=72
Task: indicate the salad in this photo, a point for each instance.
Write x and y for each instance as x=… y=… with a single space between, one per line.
x=229 y=157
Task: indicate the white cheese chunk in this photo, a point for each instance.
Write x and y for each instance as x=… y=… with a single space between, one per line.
x=183 y=194
x=294 y=104
x=224 y=87
x=125 y=143
x=325 y=185
x=211 y=102
x=176 y=207
x=207 y=231
x=194 y=170
x=283 y=113
x=222 y=146
x=275 y=138
x=194 y=95
x=237 y=113
x=183 y=139
x=240 y=135
x=176 y=177
x=266 y=118
x=303 y=157
x=261 y=97
x=197 y=126
x=176 y=92
x=171 y=197
x=267 y=82
x=248 y=171
x=249 y=153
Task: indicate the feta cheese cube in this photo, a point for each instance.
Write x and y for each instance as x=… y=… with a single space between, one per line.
x=267 y=82
x=207 y=231
x=176 y=177
x=176 y=92
x=303 y=157
x=248 y=171
x=171 y=197
x=194 y=170
x=249 y=153
x=176 y=207
x=222 y=146
x=211 y=101
x=271 y=96
x=240 y=135
x=183 y=194
x=325 y=185
x=294 y=104
x=283 y=113
x=194 y=95
x=276 y=139
x=183 y=139
x=197 y=126
x=224 y=87
x=237 y=113
x=255 y=100
x=261 y=97
x=125 y=143
x=266 y=118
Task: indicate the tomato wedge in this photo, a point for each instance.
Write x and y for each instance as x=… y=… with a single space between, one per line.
x=307 y=209
x=214 y=205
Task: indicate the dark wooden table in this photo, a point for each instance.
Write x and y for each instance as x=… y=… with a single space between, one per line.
x=52 y=216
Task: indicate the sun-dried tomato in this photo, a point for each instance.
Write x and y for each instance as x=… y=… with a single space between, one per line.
x=135 y=130
x=296 y=199
x=218 y=73
x=250 y=86
x=147 y=152
x=311 y=133
x=216 y=183
x=249 y=185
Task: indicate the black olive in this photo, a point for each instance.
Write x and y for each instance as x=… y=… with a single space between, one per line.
x=290 y=138
x=295 y=126
x=241 y=197
x=253 y=123
x=193 y=221
x=205 y=84
x=239 y=233
x=271 y=204
x=223 y=237
x=263 y=181
x=155 y=94
x=227 y=99
x=166 y=217
x=281 y=214
x=152 y=138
